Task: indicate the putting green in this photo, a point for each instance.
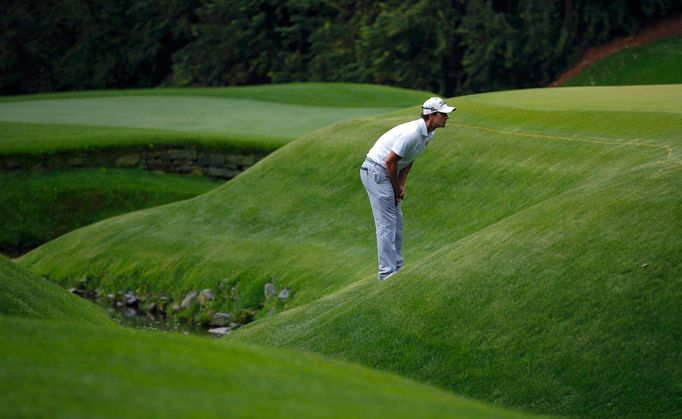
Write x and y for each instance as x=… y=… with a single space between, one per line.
x=184 y=114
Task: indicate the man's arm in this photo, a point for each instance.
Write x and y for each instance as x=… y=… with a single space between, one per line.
x=402 y=176
x=393 y=176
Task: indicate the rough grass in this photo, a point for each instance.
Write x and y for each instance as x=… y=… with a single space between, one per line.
x=542 y=247
x=655 y=63
x=68 y=370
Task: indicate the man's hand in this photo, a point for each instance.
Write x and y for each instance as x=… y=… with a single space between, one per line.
x=392 y=170
x=400 y=195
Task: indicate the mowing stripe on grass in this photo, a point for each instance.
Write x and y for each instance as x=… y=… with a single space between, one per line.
x=665 y=147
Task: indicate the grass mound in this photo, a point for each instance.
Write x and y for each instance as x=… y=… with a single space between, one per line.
x=655 y=63
x=80 y=370
x=528 y=224
x=24 y=294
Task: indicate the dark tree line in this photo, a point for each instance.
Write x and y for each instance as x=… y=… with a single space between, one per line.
x=450 y=47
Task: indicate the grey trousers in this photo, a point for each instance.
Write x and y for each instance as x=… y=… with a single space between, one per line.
x=388 y=217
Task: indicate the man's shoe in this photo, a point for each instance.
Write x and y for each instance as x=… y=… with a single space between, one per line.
x=388 y=276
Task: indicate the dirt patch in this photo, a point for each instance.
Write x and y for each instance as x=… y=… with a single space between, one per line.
x=660 y=30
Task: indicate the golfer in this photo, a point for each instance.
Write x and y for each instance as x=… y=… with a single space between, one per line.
x=384 y=173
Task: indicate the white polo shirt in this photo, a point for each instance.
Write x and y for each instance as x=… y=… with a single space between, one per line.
x=407 y=140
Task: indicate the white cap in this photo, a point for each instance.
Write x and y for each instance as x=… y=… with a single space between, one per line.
x=436 y=104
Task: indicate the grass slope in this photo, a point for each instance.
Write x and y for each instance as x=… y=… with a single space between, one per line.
x=24 y=294
x=528 y=222
x=655 y=63
x=21 y=138
x=40 y=206
x=255 y=119
x=83 y=371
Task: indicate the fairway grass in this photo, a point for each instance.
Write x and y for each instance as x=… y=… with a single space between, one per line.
x=66 y=370
x=655 y=63
x=541 y=241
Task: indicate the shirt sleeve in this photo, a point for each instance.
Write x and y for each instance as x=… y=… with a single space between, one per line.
x=402 y=145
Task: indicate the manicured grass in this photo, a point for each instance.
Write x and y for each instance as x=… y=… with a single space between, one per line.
x=255 y=119
x=328 y=95
x=236 y=117
x=528 y=228
x=95 y=369
x=24 y=294
x=260 y=117
x=36 y=207
x=68 y=370
x=21 y=138
x=656 y=63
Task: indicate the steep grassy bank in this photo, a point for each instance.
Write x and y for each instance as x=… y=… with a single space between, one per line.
x=23 y=294
x=42 y=138
x=67 y=351
x=40 y=206
x=266 y=223
x=43 y=133
x=570 y=307
x=84 y=371
x=528 y=224
x=655 y=63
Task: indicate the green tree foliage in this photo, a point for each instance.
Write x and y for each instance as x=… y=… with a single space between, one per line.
x=527 y=43
x=49 y=45
x=455 y=46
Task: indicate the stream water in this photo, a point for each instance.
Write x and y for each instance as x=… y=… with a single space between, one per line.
x=131 y=317
x=125 y=310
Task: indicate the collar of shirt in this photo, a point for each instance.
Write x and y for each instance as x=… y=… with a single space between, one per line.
x=422 y=129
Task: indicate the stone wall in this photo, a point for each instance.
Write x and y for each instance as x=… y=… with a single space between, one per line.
x=179 y=160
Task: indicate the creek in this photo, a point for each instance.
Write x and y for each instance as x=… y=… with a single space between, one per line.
x=132 y=317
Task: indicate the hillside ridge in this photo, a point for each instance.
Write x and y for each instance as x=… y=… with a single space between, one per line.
x=660 y=30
